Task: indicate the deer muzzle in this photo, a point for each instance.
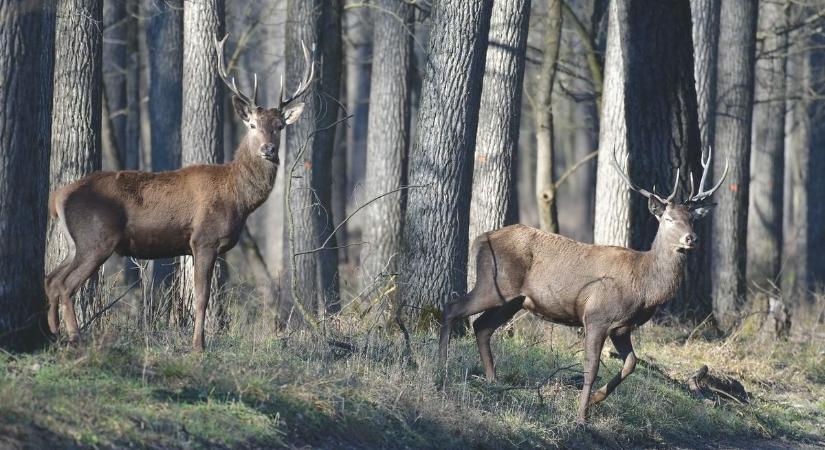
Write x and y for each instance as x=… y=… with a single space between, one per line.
x=689 y=241
x=270 y=152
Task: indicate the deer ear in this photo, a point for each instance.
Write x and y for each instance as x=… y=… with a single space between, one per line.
x=699 y=212
x=656 y=207
x=293 y=112
x=241 y=109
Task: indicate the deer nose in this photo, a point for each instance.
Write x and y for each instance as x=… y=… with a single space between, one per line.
x=269 y=151
x=690 y=239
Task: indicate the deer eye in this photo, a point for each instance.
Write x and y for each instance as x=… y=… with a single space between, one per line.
x=252 y=126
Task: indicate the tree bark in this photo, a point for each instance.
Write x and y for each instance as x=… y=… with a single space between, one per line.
x=437 y=216
x=545 y=145
x=312 y=278
x=499 y=121
x=76 y=114
x=26 y=70
x=201 y=128
x=764 y=238
x=732 y=141
x=388 y=135
x=648 y=115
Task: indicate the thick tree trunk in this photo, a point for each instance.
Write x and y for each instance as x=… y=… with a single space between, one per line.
x=201 y=129
x=499 y=120
x=732 y=140
x=312 y=278
x=438 y=213
x=764 y=238
x=76 y=114
x=545 y=145
x=648 y=115
x=26 y=70
x=388 y=136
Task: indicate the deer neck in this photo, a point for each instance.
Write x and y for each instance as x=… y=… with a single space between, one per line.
x=662 y=271
x=254 y=177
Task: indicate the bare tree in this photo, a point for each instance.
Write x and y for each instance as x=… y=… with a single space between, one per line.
x=499 y=120
x=732 y=141
x=25 y=133
x=437 y=217
x=388 y=135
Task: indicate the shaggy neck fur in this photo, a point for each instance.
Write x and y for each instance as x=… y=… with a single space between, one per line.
x=254 y=176
x=662 y=270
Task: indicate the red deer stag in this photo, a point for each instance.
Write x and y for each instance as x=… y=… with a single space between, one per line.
x=607 y=290
x=198 y=210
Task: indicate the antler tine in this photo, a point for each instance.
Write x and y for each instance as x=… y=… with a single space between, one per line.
x=230 y=82
x=675 y=188
x=306 y=81
x=703 y=194
x=630 y=184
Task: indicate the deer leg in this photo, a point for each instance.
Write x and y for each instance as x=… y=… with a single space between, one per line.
x=593 y=343
x=484 y=327
x=625 y=349
x=79 y=271
x=53 y=293
x=204 y=264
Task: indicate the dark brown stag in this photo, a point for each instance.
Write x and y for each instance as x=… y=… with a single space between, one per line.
x=607 y=290
x=198 y=210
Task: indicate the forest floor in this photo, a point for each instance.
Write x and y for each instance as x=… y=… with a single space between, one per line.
x=257 y=388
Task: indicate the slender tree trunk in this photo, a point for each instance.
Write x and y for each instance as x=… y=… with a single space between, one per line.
x=732 y=140
x=764 y=239
x=438 y=213
x=648 y=115
x=545 y=182
x=388 y=136
x=164 y=42
x=201 y=128
x=76 y=114
x=311 y=278
x=499 y=121
x=695 y=291
x=26 y=70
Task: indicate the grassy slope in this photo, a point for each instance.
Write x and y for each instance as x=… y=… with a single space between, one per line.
x=258 y=389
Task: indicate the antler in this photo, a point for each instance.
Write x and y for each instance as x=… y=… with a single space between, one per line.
x=703 y=194
x=645 y=192
x=251 y=102
x=309 y=73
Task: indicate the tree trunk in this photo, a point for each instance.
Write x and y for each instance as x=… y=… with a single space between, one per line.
x=164 y=42
x=764 y=238
x=312 y=278
x=499 y=121
x=438 y=213
x=732 y=140
x=648 y=115
x=695 y=292
x=76 y=114
x=388 y=136
x=201 y=129
x=545 y=182
x=26 y=70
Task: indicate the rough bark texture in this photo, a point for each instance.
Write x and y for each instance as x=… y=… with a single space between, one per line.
x=388 y=136
x=648 y=115
x=696 y=287
x=545 y=145
x=201 y=125
x=311 y=277
x=764 y=238
x=76 y=114
x=499 y=120
x=438 y=214
x=116 y=21
x=732 y=141
x=25 y=135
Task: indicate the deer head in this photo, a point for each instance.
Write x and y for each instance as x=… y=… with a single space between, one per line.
x=264 y=125
x=676 y=219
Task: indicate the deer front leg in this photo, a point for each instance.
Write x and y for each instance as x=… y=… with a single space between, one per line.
x=593 y=343
x=625 y=349
x=204 y=264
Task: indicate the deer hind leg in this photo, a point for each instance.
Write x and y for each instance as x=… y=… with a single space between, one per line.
x=625 y=349
x=594 y=341
x=53 y=293
x=204 y=264
x=87 y=261
x=484 y=327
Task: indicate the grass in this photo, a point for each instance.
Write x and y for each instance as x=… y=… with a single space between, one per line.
x=259 y=388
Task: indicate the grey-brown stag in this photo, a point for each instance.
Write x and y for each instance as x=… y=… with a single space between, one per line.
x=607 y=290
x=198 y=210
